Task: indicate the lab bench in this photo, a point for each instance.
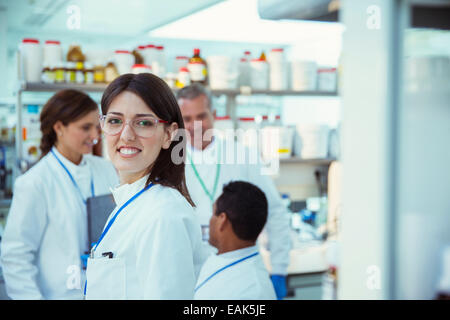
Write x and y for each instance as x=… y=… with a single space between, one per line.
x=306 y=270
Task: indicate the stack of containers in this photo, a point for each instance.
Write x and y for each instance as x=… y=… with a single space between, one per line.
x=278 y=69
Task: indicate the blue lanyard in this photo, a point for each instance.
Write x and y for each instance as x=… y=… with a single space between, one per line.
x=73 y=180
x=223 y=268
x=110 y=223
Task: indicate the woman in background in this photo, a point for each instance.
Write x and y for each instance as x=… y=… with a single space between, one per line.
x=46 y=229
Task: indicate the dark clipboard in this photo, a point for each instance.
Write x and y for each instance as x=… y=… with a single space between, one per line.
x=98 y=210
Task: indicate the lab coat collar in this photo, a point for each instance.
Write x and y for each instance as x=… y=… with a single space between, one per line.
x=124 y=192
x=238 y=254
x=216 y=262
x=72 y=167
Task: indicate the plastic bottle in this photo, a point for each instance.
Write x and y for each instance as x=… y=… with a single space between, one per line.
x=244 y=70
x=183 y=78
x=197 y=68
x=31 y=59
x=180 y=62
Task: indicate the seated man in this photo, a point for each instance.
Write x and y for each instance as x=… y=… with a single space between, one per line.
x=237 y=272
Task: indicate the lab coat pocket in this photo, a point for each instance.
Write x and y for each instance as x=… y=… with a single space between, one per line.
x=105 y=279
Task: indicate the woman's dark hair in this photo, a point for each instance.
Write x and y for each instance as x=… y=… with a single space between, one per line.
x=245 y=206
x=66 y=106
x=160 y=99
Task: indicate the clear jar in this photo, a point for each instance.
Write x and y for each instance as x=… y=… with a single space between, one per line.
x=79 y=72
x=88 y=73
x=59 y=73
x=99 y=73
x=70 y=76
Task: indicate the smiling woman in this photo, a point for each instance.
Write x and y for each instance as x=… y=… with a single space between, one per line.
x=152 y=237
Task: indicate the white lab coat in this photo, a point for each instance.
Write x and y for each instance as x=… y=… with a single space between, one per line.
x=277 y=226
x=156 y=245
x=46 y=229
x=246 y=280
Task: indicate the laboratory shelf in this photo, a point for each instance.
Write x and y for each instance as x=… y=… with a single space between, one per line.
x=231 y=105
x=237 y=92
x=100 y=87
x=53 y=87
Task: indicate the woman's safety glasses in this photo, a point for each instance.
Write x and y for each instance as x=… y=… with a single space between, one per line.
x=143 y=127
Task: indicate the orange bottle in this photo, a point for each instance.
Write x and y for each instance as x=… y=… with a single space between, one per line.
x=197 y=68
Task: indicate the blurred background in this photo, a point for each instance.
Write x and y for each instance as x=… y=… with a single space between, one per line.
x=358 y=92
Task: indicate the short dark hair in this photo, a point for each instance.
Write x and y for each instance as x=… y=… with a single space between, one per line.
x=161 y=100
x=193 y=91
x=245 y=206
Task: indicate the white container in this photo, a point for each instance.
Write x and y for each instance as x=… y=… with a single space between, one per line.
x=31 y=60
x=314 y=141
x=327 y=79
x=52 y=52
x=247 y=131
x=123 y=60
x=141 y=68
x=276 y=142
x=149 y=54
x=223 y=126
x=277 y=66
x=159 y=63
x=183 y=78
x=244 y=70
x=259 y=74
x=222 y=74
x=180 y=62
x=304 y=75
x=244 y=73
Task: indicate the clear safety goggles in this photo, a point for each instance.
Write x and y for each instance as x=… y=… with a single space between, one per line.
x=144 y=127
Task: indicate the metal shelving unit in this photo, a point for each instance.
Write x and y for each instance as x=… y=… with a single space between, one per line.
x=230 y=94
